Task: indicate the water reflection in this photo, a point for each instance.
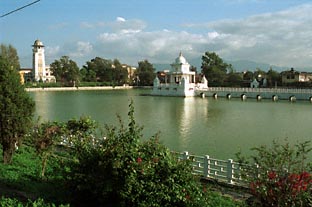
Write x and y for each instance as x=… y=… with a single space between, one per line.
x=193 y=113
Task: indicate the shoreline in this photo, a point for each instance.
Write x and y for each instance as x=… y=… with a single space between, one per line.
x=83 y=88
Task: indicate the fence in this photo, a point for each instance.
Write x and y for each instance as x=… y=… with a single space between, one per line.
x=226 y=171
x=262 y=90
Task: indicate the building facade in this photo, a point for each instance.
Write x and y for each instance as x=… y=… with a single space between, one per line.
x=293 y=76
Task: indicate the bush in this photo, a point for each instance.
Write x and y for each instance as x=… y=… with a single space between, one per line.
x=124 y=171
x=9 y=202
x=278 y=175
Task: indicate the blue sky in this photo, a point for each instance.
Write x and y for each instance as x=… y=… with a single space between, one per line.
x=277 y=32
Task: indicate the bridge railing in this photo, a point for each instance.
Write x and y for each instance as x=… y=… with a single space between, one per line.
x=261 y=90
x=226 y=171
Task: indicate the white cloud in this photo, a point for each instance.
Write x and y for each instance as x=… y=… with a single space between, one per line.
x=120 y=25
x=120 y=19
x=281 y=38
x=81 y=49
x=52 y=51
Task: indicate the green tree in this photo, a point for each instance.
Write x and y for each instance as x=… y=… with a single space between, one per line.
x=10 y=54
x=120 y=73
x=87 y=75
x=145 y=73
x=65 y=70
x=16 y=109
x=214 y=69
x=234 y=79
x=99 y=69
x=273 y=77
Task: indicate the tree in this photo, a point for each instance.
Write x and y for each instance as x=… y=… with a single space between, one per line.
x=16 y=109
x=145 y=73
x=214 y=68
x=273 y=78
x=65 y=70
x=234 y=79
x=10 y=54
x=99 y=69
x=120 y=74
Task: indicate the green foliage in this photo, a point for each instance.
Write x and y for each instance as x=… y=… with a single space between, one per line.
x=121 y=169
x=9 y=53
x=103 y=70
x=66 y=71
x=157 y=178
x=45 y=137
x=9 y=202
x=214 y=69
x=16 y=109
x=145 y=73
x=278 y=175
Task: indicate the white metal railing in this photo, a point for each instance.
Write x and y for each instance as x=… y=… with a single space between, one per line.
x=262 y=90
x=226 y=171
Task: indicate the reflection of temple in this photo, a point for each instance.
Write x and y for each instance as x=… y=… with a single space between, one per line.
x=179 y=81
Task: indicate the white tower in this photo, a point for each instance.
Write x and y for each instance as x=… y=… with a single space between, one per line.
x=39 y=67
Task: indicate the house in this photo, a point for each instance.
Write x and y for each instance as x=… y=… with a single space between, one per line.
x=293 y=76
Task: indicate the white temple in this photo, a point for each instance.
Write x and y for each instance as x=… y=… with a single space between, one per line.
x=179 y=81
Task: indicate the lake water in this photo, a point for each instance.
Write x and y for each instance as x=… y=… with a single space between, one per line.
x=218 y=128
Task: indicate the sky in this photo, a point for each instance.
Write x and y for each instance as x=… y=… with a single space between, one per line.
x=276 y=32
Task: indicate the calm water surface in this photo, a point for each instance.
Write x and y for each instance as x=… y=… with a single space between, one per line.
x=219 y=128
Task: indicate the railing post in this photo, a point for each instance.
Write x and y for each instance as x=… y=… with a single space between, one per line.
x=230 y=171
x=185 y=155
x=206 y=166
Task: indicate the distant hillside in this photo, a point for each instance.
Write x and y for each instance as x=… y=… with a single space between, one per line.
x=242 y=65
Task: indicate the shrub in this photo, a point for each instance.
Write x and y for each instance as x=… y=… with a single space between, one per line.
x=278 y=175
x=122 y=170
x=8 y=202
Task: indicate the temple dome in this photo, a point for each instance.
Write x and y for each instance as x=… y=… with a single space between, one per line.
x=38 y=43
x=180 y=59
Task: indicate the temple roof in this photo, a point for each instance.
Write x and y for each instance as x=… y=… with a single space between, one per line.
x=181 y=59
x=38 y=43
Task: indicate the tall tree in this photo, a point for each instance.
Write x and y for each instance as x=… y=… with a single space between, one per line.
x=214 y=68
x=65 y=70
x=16 y=109
x=145 y=73
x=10 y=54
